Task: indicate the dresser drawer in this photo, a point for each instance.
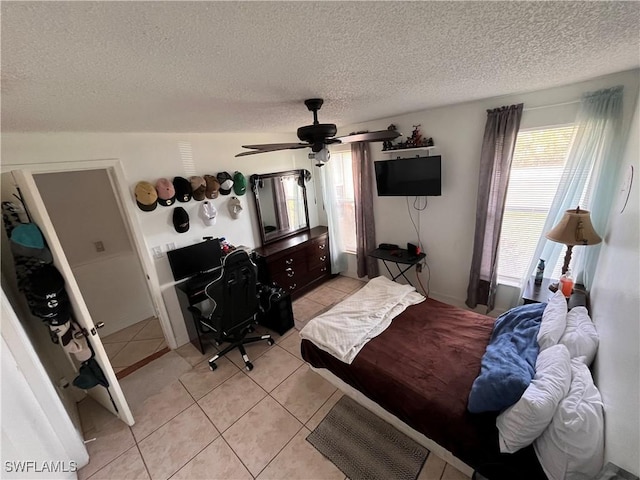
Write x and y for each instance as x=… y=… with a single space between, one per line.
x=295 y=261
x=318 y=253
x=289 y=283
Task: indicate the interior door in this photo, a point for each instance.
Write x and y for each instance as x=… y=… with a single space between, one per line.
x=34 y=203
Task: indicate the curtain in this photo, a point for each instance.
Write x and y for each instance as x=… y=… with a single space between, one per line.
x=337 y=254
x=498 y=145
x=592 y=163
x=363 y=179
x=280 y=205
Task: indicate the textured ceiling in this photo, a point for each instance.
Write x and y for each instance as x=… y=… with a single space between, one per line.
x=247 y=66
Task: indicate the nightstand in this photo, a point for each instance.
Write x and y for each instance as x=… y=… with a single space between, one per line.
x=540 y=293
x=537 y=293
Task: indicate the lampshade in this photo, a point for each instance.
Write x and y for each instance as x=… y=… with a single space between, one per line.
x=574 y=228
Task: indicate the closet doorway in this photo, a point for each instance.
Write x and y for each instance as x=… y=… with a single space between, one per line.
x=99 y=247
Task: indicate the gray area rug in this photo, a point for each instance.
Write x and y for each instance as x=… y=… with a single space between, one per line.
x=364 y=446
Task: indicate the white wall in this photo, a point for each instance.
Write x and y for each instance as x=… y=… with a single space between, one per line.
x=615 y=307
x=84 y=210
x=151 y=156
x=447 y=225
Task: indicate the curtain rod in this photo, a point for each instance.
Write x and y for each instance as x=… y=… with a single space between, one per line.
x=552 y=105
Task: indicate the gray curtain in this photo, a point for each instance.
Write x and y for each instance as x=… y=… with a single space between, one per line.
x=363 y=196
x=498 y=145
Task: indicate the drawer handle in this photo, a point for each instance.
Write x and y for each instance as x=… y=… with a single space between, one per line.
x=321 y=247
x=293 y=286
x=323 y=258
x=290 y=273
x=289 y=262
x=323 y=269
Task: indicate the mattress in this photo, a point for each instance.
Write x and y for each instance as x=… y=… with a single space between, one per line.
x=421 y=369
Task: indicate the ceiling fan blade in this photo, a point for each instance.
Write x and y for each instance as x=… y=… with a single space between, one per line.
x=274 y=148
x=268 y=146
x=378 y=136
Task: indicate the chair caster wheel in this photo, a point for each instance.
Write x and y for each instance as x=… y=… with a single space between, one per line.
x=212 y=366
x=250 y=329
x=217 y=343
x=248 y=366
x=270 y=341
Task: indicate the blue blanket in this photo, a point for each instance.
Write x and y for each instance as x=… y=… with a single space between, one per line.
x=508 y=364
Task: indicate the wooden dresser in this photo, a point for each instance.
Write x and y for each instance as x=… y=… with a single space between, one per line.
x=300 y=262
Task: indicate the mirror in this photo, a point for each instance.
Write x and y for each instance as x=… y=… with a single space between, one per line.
x=281 y=202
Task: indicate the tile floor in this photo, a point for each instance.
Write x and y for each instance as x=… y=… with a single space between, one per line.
x=192 y=423
x=134 y=343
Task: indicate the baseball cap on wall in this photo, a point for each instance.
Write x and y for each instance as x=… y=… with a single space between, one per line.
x=180 y=220
x=239 y=183
x=166 y=192
x=183 y=189
x=209 y=213
x=235 y=207
x=198 y=187
x=213 y=186
x=226 y=183
x=146 y=196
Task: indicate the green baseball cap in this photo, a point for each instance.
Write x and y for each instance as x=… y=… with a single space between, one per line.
x=239 y=183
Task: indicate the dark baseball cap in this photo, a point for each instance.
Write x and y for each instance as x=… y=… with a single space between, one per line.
x=226 y=183
x=183 y=189
x=180 y=220
x=239 y=183
x=198 y=187
x=213 y=186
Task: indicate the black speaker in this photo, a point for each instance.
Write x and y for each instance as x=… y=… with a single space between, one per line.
x=279 y=315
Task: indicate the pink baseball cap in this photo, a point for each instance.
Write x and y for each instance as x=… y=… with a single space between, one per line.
x=166 y=192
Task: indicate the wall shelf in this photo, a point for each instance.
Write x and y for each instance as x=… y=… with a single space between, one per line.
x=401 y=151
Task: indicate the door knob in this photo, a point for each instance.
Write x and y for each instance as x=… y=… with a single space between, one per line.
x=99 y=324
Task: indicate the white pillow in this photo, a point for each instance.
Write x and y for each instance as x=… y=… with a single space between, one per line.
x=580 y=335
x=572 y=447
x=554 y=321
x=523 y=422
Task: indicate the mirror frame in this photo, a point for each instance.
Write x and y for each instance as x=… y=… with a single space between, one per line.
x=255 y=179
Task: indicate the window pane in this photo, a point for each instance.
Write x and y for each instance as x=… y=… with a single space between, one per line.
x=538 y=162
x=340 y=164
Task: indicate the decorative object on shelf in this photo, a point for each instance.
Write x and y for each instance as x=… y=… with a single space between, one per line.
x=574 y=228
x=539 y=272
x=416 y=140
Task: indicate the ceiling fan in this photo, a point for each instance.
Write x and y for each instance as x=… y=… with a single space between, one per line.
x=318 y=136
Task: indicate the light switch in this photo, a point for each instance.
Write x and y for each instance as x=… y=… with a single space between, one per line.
x=99 y=246
x=157 y=252
x=170 y=246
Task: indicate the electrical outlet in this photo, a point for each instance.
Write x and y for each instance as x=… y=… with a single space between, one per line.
x=157 y=252
x=99 y=246
x=419 y=267
x=170 y=246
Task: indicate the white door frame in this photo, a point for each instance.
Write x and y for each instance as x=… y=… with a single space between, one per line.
x=122 y=193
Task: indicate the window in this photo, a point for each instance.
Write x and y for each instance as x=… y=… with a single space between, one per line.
x=538 y=162
x=342 y=179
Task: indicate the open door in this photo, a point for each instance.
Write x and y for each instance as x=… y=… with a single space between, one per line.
x=34 y=203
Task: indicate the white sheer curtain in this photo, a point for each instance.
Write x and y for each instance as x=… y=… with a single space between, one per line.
x=588 y=177
x=338 y=256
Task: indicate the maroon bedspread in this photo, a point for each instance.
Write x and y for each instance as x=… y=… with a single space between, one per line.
x=421 y=369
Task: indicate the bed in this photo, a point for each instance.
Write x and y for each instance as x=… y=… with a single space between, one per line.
x=421 y=369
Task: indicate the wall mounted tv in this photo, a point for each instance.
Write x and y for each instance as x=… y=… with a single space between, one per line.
x=419 y=176
x=199 y=258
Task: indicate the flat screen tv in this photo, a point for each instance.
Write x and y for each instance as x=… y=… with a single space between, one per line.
x=419 y=176
x=199 y=258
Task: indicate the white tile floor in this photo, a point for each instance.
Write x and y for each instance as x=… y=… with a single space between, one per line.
x=192 y=423
x=134 y=343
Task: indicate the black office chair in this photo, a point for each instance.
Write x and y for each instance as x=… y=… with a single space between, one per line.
x=234 y=295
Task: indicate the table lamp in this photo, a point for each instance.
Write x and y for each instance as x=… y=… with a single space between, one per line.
x=574 y=228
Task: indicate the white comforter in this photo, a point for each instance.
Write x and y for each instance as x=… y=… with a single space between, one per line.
x=349 y=325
